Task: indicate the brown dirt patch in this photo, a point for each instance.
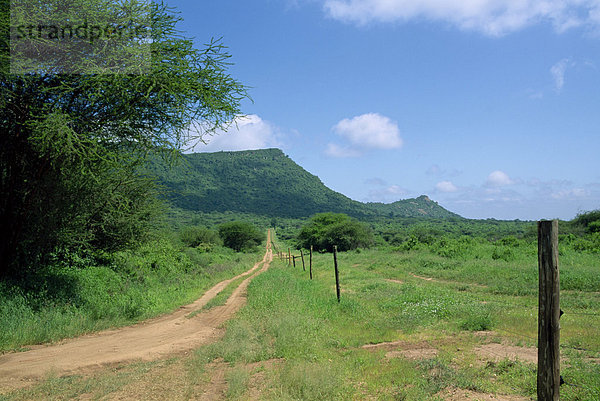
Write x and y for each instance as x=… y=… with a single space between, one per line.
x=391 y=280
x=218 y=385
x=456 y=394
x=498 y=352
x=258 y=380
x=167 y=380
x=168 y=335
x=402 y=349
x=435 y=280
x=422 y=278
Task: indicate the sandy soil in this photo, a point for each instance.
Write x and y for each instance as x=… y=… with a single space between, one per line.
x=173 y=334
x=402 y=349
x=455 y=394
x=498 y=352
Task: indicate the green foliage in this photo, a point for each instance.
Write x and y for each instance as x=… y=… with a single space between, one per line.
x=79 y=295
x=589 y=243
x=267 y=182
x=419 y=207
x=590 y=220
x=199 y=237
x=326 y=230
x=478 y=318
x=505 y=254
x=264 y=182
x=73 y=142
x=239 y=235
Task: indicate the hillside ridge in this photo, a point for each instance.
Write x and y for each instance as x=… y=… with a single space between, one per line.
x=268 y=182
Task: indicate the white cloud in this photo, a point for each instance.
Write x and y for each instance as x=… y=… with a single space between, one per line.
x=335 y=150
x=558 y=73
x=245 y=133
x=446 y=186
x=389 y=193
x=371 y=131
x=376 y=181
x=573 y=193
x=498 y=179
x=491 y=17
x=530 y=199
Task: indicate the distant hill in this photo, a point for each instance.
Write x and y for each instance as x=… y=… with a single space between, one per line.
x=418 y=207
x=267 y=182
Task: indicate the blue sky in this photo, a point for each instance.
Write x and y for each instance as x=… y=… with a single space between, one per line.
x=490 y=107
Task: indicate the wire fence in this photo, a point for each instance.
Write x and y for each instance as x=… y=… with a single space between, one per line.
x=573 y=383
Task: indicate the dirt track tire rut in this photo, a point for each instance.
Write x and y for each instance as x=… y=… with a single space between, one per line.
x=167 y=335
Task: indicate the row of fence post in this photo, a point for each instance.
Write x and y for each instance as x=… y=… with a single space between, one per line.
x=548 y=373
x=291 y=260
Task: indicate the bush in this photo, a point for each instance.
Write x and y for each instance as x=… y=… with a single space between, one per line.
x=239 y=235
x=478 y=319
x=589 y=243
x=203 y=237
x=325 y=230
x=410 y=243
x=589 y=220
x=504 y=253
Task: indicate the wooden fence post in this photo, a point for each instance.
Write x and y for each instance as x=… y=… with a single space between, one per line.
x=302 y=257
x=310 y=262
x=294 y=260
x=337 y=274
x=289 y=256
x=548 y=375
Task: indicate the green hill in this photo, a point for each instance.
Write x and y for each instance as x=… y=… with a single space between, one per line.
x=267 y=182
x=418 y=207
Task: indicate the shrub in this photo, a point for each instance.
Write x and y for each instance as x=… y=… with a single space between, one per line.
x=504 y=253
x=410 y=243
x=479 y=319
x=239 y=235
x=195 y=237
x=589 y=220
x=325 y=230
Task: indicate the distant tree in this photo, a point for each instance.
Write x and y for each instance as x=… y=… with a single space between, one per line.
x=240 y=235
x=194 y=236
x=75 y=132
x=324 y=230
x=590 y=220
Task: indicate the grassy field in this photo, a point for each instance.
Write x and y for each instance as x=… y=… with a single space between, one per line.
x=442 y=313
x=419 y=324
x=75 y=298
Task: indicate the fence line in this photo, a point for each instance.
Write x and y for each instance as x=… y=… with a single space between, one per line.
x=549 y=379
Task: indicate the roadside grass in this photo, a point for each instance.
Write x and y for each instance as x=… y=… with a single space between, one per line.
x=318 y=343
x=221 y=298
x=131 y=286
x=299 y=321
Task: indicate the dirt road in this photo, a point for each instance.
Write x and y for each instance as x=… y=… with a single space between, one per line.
x=175 y=333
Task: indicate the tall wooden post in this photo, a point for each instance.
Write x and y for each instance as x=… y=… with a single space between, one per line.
x=310 y=262
x=294 y=260
x=337 y=274
x=302 y=257
x=289 y=256
x=548 y=375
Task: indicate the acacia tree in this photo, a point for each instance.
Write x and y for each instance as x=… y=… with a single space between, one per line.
x=240 y=235
x=77 y=123
x=326 y=230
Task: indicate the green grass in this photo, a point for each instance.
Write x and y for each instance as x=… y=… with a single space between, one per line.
x=292 y=318
x=310 y=347
x=131 y=286
x=221 y=298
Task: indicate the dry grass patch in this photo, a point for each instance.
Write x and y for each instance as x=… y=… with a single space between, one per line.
x=458 y=394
